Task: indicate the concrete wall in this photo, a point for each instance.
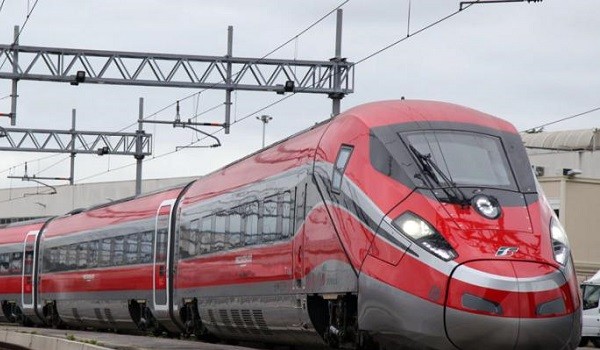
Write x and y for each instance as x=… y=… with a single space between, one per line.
x=32 y=202
x=578 y=203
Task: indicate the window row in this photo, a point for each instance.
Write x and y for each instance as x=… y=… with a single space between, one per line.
x=252 y=223
x=11 y=263
x=135 y=248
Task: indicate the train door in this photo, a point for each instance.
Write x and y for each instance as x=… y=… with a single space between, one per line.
x=298 y=242
x=27 y=270
x=161 y=255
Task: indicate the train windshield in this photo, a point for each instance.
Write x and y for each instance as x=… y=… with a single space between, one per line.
x=465 y=158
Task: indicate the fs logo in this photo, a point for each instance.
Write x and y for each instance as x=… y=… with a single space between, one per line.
x=507 y=251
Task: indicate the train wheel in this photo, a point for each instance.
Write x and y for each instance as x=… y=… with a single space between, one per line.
x=7 y=311
x=335 y=319
x=365 y=342
x=193 y=323
x=51 y=316
x=583 y=342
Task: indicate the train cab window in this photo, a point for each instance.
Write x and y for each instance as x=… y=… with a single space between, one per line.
x=118 y=250
x=235 y=227
x=146 y=247
x=269 y=219
x=286 y=214
x=105 y=252
x=16 y=262
x=451 y=150
x=131 y=249
x=205 y=234
x=251 y=224
x=339 y=167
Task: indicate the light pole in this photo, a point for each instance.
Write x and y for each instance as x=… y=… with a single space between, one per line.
x=264 y=119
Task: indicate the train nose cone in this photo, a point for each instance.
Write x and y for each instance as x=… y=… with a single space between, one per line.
x=510 y=305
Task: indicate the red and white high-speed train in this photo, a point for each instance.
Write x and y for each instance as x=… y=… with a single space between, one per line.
x=396 y=224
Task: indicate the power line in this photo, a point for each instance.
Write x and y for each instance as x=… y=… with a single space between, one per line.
x=540 y=127
x=29 y=161
x=2 y=5
x=293 y=93
x=21 y=29
x=302 y=32
x=410 y=35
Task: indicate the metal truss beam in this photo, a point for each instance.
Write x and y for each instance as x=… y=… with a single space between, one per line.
x=73 y=142
x=168 y=70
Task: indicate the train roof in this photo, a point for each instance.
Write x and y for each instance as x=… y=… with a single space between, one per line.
x=404 y=111
x=25 y=223
x=388 y=112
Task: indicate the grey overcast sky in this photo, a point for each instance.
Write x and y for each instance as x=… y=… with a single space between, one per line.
x=529 y=63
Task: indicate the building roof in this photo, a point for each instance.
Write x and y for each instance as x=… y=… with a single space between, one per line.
x=569 y=140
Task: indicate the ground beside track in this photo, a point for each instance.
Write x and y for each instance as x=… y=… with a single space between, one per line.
x=87 y=340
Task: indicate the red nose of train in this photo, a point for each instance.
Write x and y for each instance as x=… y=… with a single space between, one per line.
x=492 y=304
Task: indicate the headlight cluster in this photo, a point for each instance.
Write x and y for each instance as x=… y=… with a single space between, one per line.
x=560 y=242
x=422 y=233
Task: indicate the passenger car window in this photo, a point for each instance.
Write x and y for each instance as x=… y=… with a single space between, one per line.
x=205 y=234
x=16 y=262
x=117 y=258
x=235 y=227
x=251 y=224
x=93 y=254
x=340 y=167
x=105 y=249
x=131 y=250
x=269 y=216
x=82 y=255
x=146 y=247
x=286 y=214
x=4 y=263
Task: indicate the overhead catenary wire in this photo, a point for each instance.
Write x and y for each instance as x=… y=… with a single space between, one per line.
x=410 y=35
x=196 y=115
x=32 y=160
x=429 y=26
x=21 y=29
x=2 y=5
x=277 y=48
x=540 y=127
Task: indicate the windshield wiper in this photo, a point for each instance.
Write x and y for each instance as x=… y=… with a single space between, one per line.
x=429 y=168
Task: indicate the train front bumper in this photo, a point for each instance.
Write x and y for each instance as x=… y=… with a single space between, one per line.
x=492 y=304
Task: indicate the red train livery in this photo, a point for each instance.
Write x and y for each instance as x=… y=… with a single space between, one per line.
x=397 y=223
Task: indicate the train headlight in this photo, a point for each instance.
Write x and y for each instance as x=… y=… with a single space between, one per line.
x=422 y=233
x=487 y=206
x=560 y=242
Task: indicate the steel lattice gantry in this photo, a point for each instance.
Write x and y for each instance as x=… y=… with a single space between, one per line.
x=65 y=141
x=188 y=71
